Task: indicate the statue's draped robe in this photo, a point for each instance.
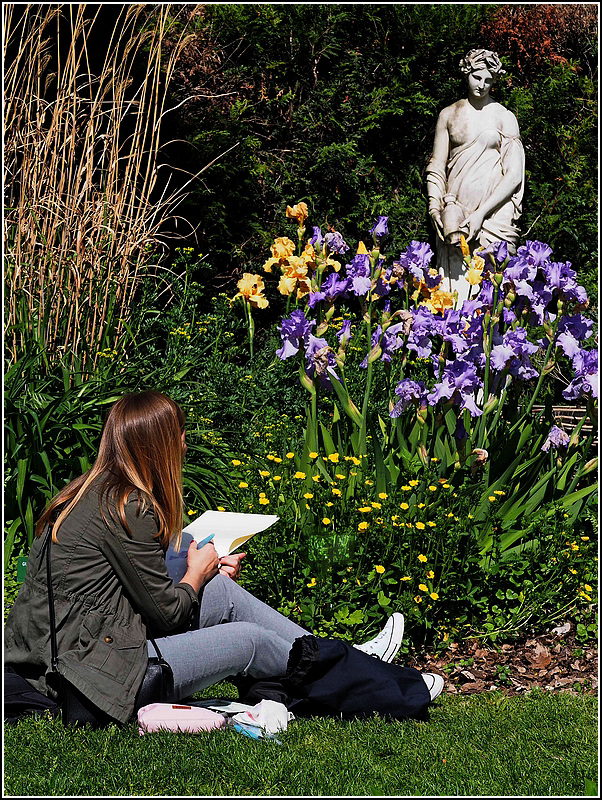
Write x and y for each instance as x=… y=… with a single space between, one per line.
x=472 y=174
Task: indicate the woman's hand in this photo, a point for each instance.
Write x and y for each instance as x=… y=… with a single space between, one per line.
x=435 y=216
x=230 y=565
x=203 y=564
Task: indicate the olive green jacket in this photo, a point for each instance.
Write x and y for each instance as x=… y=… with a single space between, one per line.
x=107 y=587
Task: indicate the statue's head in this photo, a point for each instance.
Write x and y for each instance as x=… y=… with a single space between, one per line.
x=480 y=59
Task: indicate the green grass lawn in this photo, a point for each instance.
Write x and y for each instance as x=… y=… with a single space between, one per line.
x=539 y=744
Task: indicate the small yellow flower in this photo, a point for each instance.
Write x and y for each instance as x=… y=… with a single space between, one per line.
x=585 y=538
x=405 y=506
x=243 y=485
x=498 y=492
x=339 y=476
x=312 y=583
x=421 y=526
x=270 y=457
x=414 y=483
x=290 y=455
x=325 y=521
x=315 y=478
x=263 y=501
x=277 y=460
x=432 y=488
x=588 y=588
x=418 y=599
x=313 y=454
x=336 y=491
x=446 y=486
x=406 y=488
x=431 y=524
x=420 y=505
x=406 y=578
x=236 y=462
x=277 y=478
x=587 y=597
x=369 y=483
x=329 y=504
x=470 y=516
x=376 y=505
x=422 y=558
x=308 y=495
x=383 y=495
x=574 y=571
x=221 y=508
x=334 y=457
x=430 y=574
x=423 y=587
x=379 y=568
x=191 y=513
x=491 y=498
x=434 y=459
x=365 y=509
x=362 y=526
x=299 y=475
x=264 y=473
x=434 y=595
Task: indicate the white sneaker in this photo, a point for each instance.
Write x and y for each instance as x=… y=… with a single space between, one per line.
x=434 y=683
x=386 y=644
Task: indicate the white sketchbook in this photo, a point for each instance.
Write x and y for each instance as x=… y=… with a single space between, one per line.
x=230 y=531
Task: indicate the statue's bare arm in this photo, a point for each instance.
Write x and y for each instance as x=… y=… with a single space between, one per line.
x=436 y=169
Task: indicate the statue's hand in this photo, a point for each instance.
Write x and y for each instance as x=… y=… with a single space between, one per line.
x=472 y=225
x=437 y=222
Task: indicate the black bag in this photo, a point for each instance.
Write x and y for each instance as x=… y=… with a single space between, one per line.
x=74 y=707
x=328 y=677
x=20 y=698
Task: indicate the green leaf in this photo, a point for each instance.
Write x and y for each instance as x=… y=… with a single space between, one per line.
x=382 y=599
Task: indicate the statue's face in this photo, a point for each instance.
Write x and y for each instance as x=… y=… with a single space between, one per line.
x=480 y=82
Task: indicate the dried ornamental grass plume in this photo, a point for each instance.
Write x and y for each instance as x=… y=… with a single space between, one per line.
x=250 y=288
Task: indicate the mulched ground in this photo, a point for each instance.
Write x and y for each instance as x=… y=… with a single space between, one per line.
x=555 y=661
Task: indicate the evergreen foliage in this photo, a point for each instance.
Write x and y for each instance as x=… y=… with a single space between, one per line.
x=336 y=105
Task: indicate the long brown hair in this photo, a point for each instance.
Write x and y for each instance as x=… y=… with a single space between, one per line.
x=140 y=451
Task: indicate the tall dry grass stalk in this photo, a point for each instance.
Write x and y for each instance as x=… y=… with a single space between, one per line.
x=83 y=202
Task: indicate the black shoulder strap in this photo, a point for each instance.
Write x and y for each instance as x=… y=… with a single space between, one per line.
x=53 y=645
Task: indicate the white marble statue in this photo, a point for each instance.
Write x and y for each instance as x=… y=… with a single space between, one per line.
x=475 y=178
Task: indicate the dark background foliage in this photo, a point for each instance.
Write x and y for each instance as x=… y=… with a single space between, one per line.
x=336 y=105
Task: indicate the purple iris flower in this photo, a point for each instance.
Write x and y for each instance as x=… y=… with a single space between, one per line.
x=499 y=250
x=452 y=328
x=392 y=340
x=568 y=343
x=334 y=286
x=317 y=239
x=314 y=299
x=513 y=354
x=460 y=432
x=359 y=266
x=293 y=332
x=485 y=295
x=410 y=393
x=345 y=333
x=360 y=286
x=424 y=327
x=459 y=383
x=578 y=326
x=380 y=227
x=335 y=243
x=320 y=361
x=536 y=253
x=585 y=382
x=556 y=438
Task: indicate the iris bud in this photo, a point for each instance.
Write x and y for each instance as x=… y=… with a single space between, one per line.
x=498 y=278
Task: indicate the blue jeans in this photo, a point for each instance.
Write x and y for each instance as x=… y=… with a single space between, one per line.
x=237 y=634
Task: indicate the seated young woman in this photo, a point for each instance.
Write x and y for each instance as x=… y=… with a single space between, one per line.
x=111 y=528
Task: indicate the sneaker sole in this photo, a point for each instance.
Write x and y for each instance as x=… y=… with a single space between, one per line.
x=395 y=640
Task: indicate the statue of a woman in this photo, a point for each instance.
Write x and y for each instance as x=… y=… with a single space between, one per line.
x=475 y=178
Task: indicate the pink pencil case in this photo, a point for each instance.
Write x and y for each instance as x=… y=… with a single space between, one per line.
x=177 y=718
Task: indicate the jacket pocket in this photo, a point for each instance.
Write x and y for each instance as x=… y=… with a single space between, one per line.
x=108 y=648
